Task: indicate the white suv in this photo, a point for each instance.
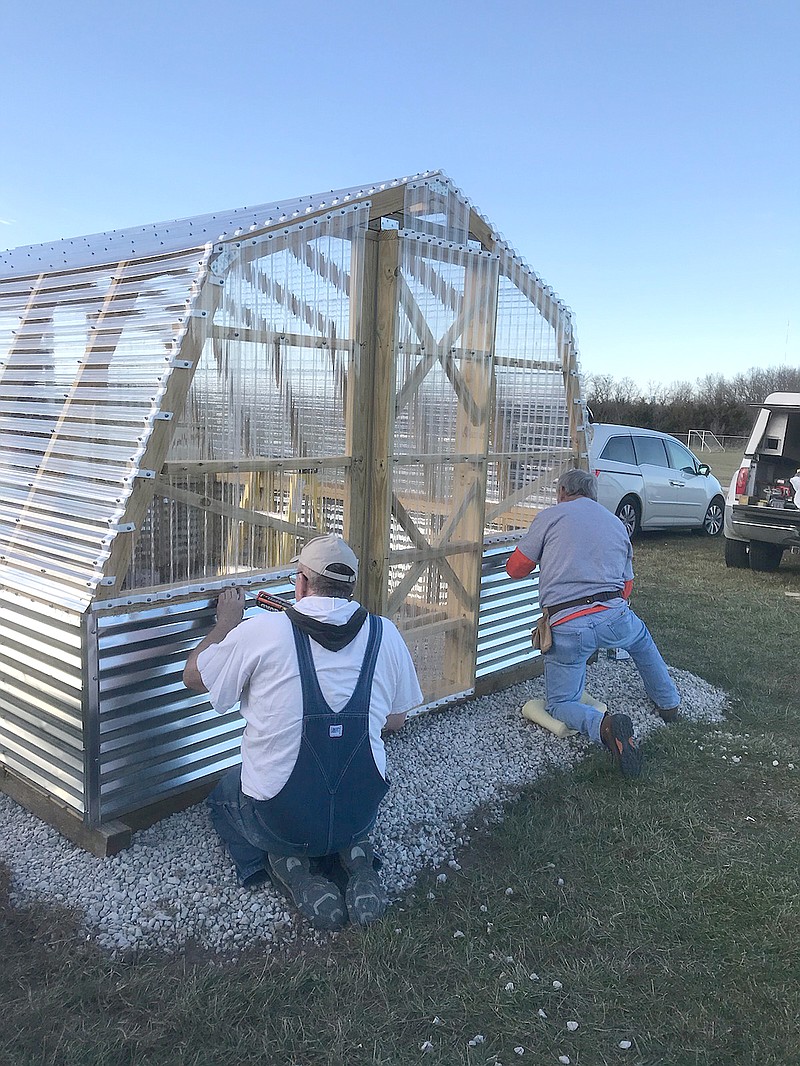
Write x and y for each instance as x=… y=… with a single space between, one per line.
x=652 y=481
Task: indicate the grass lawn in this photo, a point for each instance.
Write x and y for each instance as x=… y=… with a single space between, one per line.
x=666 y=909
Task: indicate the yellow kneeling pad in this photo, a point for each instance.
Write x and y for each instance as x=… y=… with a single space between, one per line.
x=534 y=711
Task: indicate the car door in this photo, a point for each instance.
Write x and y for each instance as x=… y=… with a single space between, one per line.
x=616 y=471
x=659 y=494
x=692 y=498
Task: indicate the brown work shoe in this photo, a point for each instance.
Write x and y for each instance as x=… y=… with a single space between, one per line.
x=616 y=732
x=669 y=714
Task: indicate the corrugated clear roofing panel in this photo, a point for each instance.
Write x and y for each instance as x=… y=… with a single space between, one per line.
x=84 y=363
x=433 y=206
x=233 y=521
x=160 y=238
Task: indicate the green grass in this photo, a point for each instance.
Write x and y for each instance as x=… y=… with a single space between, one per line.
x=676 y=926
x=723 y=465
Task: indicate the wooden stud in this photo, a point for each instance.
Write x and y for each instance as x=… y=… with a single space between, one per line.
x=382 y=351
x=469 y=479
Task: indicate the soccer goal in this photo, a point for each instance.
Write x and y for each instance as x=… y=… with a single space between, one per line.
x=703 y=440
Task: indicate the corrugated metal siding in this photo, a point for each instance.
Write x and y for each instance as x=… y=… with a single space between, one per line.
x=156 y=738
x=508 y=612
x=41 y=684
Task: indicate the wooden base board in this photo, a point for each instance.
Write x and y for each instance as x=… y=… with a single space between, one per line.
x=104 y=840
x=533 y=667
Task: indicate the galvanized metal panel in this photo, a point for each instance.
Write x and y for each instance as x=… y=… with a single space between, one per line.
x=156 y=738
x=508 y=612
x=41 y=686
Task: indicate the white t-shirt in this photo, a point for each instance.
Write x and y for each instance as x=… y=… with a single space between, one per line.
x=257 y=664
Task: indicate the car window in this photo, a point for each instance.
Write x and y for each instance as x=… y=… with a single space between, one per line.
x=680 y=458
x=619 y=450
x=650 y=450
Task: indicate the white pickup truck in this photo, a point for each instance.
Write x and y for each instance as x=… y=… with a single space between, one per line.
x=762 y=509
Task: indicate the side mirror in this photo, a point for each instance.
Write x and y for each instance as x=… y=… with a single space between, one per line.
x=704 y=469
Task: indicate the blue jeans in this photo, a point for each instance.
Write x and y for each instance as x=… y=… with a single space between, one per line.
x=236 y=820
x=573 y=644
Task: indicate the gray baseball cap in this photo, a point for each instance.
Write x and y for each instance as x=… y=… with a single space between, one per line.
x=321 y=553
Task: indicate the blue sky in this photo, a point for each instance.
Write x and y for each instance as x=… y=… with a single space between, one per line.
x=643 y=157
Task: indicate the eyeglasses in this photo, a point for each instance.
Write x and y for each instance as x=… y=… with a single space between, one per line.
x=293 y=577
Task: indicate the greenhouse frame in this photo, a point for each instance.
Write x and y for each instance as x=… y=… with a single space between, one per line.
x=183 y=405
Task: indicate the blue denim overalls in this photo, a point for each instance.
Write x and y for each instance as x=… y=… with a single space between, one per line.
x=332 y=796
x=334 y=791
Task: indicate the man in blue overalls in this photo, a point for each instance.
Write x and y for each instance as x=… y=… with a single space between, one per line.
x=318 y=683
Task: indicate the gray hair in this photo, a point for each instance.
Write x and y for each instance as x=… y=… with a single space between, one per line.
x=578 y=483
x=322 y=585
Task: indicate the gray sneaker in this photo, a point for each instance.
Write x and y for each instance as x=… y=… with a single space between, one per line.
x=365 y=896
x=317 y=898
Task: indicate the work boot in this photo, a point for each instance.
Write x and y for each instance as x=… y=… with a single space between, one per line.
x=616 y=732
x=317 y=898
x=365 y=896
x=669 y=714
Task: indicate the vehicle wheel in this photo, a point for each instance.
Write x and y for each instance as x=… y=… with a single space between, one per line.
x=765 y=557
x=629 y=513
x=737 y=554
x=712 y=523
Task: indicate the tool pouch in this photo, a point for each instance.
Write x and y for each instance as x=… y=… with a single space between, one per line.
x=541 y=634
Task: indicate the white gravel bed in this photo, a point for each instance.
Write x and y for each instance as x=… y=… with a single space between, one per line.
x=175 y=884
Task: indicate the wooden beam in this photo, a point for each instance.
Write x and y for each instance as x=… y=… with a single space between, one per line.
x=246 y=516
x=359 y=407
x=481 y=231
x=381 y=350
x=467 y=522
x=387 y=202
x=302 y=464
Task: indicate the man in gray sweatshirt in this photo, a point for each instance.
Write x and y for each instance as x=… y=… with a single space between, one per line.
x=585 y=578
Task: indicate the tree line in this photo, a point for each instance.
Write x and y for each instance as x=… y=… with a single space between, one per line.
x=714 y=402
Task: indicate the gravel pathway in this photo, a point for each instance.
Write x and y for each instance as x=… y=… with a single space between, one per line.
x=175 y=885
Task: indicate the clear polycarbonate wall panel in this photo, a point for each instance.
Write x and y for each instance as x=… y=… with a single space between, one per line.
x=86 y=360
x=41 y=726
x=435 y=208
x=258 y=461
x=446 y=297
x=203 y=525
x=443 y=387
x=530 y=435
